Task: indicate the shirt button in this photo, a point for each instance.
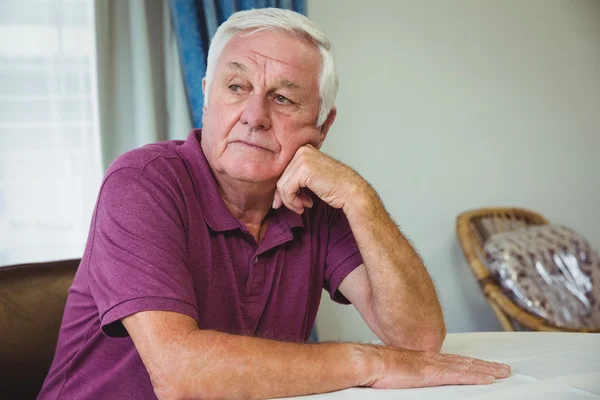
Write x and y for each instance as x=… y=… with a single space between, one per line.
x=255 y=260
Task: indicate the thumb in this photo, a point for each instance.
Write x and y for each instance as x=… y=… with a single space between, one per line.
x=277 y=202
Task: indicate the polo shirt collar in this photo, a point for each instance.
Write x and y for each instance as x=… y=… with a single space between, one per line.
x=216 y=213
x=289 y=217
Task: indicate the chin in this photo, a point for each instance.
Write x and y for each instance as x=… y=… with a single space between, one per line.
x=251 y=172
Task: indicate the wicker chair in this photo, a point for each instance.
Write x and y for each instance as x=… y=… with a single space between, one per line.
x=473 y=229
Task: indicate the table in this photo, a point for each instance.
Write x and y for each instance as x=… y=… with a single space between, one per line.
x=545 y=365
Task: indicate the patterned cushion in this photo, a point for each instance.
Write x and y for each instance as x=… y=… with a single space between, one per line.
x=550 y=271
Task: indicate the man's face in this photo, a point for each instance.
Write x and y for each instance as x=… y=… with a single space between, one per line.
x=263 y=105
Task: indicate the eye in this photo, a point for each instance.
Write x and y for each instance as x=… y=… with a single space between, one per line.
x=282 y=99
x=235 y=88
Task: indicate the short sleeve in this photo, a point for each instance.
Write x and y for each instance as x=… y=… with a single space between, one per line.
x=343 y=255
x=138 y=255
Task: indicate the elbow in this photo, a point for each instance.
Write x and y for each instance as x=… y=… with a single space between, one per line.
x=168 y=386
x=431 y=334
x=167 y=381
x=431 y=339
x=428 y=339
x=432 y=344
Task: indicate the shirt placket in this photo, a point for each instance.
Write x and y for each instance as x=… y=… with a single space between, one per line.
x=256 y=276
x=261 y=274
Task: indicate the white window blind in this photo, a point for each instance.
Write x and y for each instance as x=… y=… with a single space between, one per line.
x=50 y=166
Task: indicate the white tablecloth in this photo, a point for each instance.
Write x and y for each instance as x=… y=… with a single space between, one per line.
x=561 y=366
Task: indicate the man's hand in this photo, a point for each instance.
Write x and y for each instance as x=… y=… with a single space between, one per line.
x=402 y=368
x=332 y=181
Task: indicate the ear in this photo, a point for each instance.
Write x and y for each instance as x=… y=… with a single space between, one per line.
x=326 y=125
x=204 y=92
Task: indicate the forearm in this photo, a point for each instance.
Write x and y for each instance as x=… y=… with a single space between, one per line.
x=219 y=365
x=403 y=298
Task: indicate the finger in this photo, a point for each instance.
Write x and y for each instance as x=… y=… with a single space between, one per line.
x=280 y=198
x=291 y=201
x=470 y=360
x=454 y=377
x=289 y=186
x=286 y=198
x=306 y=200
x=291 y=167
x=491 y=368
x=277 y=200
x=497 y=372
x=299 y=202
x=475 y=365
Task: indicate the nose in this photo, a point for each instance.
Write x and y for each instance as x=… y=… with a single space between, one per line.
x=256 y=113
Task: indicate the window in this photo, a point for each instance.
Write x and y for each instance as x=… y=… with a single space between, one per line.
x=50 y=166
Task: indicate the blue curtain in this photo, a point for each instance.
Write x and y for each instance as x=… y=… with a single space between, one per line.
x=195 y=22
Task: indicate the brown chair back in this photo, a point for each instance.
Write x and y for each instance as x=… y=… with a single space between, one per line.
x=32 y=302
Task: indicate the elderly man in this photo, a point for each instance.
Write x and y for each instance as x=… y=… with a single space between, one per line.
x=206 y=258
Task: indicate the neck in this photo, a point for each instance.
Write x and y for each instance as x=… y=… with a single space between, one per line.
x=249 y=202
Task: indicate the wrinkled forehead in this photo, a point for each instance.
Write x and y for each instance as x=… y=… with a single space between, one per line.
x=269 y=48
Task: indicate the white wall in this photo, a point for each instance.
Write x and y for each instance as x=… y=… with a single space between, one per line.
x=447 y=106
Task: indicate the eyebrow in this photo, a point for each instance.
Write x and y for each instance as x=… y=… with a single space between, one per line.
x=237 y=66
x=286 y=83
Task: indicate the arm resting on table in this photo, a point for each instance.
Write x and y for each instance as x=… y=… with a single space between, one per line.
x=186 y=362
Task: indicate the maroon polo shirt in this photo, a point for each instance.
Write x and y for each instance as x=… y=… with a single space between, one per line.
x=161 y=238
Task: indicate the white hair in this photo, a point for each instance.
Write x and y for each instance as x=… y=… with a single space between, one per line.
x=287 y=21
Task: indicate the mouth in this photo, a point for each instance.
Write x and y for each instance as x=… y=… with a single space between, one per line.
x=249 y=144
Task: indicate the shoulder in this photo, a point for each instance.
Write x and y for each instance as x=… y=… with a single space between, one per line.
x=157 y=162
x=145 y=182
x=154 y=171
x=143 y=157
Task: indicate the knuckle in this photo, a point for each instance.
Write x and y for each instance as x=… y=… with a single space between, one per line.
x=305 y=149
x=304 y=152
x=304 y=169
x=467 y=362
x=301 y=152
x=460 y=362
